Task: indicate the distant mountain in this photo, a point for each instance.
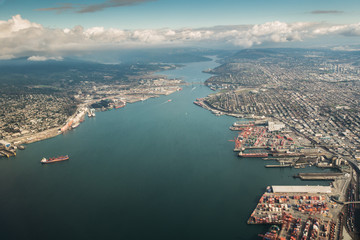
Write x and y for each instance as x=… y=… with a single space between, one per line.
x=254 y=53
x=153 y=55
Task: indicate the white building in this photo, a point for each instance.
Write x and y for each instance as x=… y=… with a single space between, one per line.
x=4 y=144
x=275 y=126
x=301 y=189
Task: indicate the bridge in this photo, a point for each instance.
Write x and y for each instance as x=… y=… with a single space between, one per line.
x=354 y=165
x=343 y=203
x=355 y=202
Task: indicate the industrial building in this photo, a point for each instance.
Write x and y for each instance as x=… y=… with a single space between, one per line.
x=301 y=189
x=4 y=144
x=275 y=126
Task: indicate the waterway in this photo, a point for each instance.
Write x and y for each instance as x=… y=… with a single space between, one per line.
x=153 y=170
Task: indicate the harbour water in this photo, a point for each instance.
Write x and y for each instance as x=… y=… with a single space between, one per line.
x=152 y=170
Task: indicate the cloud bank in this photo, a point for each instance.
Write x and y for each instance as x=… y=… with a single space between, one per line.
x=20 y=37
x=79 y=8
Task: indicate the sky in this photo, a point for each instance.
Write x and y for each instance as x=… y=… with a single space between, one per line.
x=53 y=29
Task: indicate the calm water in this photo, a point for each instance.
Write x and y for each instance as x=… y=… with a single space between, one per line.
x=152 y=170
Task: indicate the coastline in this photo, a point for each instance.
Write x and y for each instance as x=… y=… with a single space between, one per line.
x=49 y=133
x=80 y=112
x=108 y=167
x=140 y=97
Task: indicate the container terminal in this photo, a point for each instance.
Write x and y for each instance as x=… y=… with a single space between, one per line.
x=272 y=141
x=300 y=212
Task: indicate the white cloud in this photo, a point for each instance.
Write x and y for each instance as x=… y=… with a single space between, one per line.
x=43 y=58
x=15 y=24
x=345 y=30
x=20 y=37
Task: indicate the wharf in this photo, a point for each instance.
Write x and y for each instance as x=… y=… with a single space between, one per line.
x=7 y=153
x=277 y=154
x=278 y=166
x=319 y=176
x=257 y=147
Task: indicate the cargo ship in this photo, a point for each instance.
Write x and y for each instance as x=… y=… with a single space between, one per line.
x=253 y=154
x=91 y=113
x=242 y=124
x=238 y=128
x=57 y=159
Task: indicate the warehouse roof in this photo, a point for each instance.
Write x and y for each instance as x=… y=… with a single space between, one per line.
x=301 y=189
x=2 y=142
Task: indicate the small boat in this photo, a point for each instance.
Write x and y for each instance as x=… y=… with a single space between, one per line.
x=57 y=159
x=169 y=100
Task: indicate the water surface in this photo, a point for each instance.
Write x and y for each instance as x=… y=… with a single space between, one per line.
x=152 y=170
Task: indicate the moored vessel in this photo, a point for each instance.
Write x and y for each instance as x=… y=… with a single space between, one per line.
x=91 y=113
x=243 y=124
x=253 y=154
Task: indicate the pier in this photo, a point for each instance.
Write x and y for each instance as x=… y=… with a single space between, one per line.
x=319 y=176
x=278 y=166
x=7 y=153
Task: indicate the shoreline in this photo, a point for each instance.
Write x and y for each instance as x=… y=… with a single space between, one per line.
x=264 y=216
x=163 y=86
x=81 y=110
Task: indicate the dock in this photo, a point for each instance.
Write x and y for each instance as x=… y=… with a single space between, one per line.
x=7 y=153
x=261 y=138
x=278 y=166
x=319 y=176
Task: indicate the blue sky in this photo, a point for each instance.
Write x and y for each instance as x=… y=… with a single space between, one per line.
x=185 y=13
x=52 y=29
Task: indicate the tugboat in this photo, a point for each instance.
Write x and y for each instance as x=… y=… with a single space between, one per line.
x=57 y=159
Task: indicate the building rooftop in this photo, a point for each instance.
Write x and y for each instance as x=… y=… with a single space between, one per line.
x=301 y=189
